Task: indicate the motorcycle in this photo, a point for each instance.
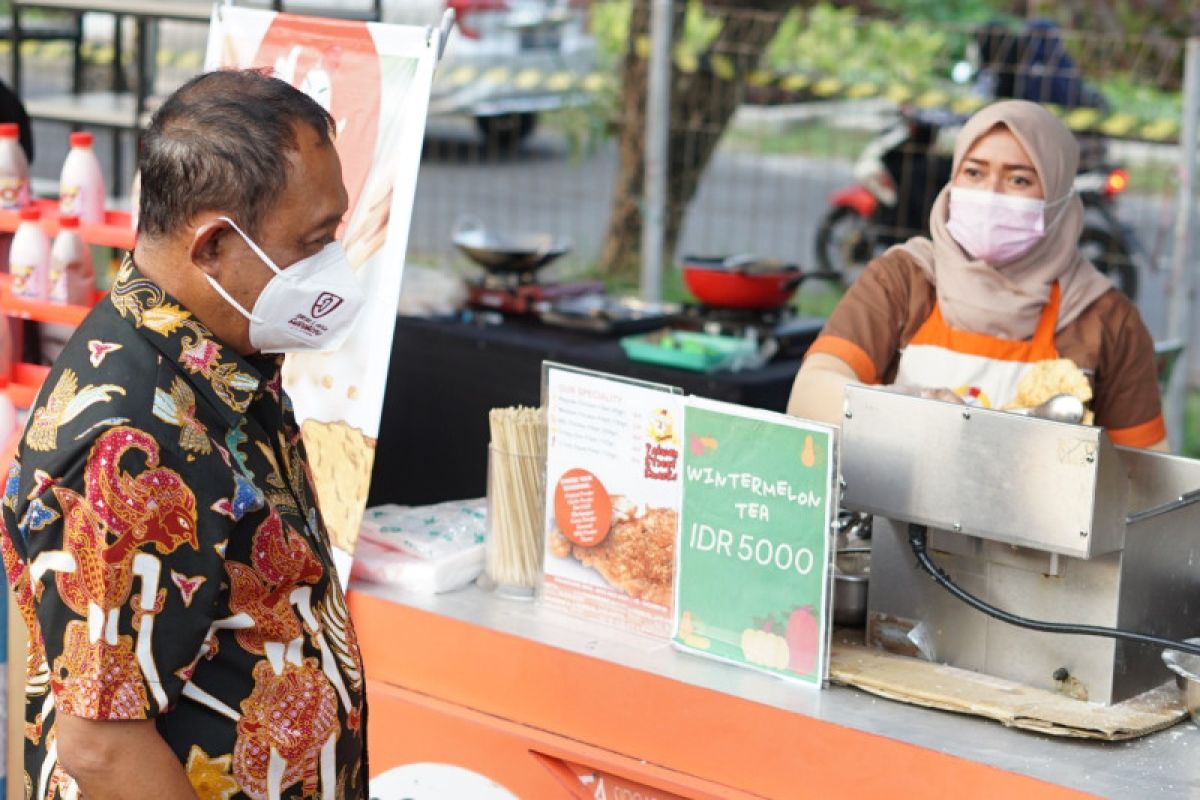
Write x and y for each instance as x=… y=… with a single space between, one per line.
x=899 y=175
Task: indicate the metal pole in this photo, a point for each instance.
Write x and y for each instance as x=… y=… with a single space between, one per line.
x=658 y=120
x=1181 y=324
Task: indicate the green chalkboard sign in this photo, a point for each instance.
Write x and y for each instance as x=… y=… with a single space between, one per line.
x=753 y=561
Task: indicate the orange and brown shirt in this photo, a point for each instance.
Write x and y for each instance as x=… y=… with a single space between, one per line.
x=886 y=306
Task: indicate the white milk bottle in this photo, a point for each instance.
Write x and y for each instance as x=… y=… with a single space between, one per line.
x=72 y=277
x=81 y=187
x=14 y=169
x=29 y=257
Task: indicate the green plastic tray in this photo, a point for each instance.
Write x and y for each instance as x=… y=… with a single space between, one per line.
x=699 y=352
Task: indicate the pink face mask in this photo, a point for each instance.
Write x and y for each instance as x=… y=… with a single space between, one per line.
x=996 y=228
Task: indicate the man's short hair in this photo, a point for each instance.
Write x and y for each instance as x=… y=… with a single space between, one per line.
x=221 y=142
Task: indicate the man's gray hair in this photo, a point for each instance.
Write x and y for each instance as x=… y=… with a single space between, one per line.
x=221 y=143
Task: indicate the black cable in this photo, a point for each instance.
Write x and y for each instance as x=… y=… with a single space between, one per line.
x=917 y=540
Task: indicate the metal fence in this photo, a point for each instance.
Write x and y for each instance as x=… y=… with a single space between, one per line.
x=808 y=101
x=824 y=87
x=814 y=102
x=804 y=119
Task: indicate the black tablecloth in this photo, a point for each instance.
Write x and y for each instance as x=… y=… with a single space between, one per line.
x=446 y=375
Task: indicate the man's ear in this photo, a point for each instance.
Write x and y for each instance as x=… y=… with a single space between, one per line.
x=208 y=243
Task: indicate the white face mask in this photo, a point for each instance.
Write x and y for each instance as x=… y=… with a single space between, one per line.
x=310 y=306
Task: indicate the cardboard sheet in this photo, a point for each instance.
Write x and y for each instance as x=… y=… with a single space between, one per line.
x=911 y=680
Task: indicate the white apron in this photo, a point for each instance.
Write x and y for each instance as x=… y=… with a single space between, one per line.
x=983 y=370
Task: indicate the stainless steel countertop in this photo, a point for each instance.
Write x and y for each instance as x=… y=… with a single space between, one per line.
x=1164 y=764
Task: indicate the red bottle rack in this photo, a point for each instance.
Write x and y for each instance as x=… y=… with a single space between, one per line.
x=115 y=231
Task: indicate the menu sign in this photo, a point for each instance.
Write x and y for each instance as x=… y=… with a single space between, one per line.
x=612 y=498
x=753 y=568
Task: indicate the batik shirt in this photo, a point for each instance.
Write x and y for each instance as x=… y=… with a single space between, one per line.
x=165 y=549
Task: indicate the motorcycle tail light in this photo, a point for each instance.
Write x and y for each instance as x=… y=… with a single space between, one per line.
x=465 y=8
x=1118 y=181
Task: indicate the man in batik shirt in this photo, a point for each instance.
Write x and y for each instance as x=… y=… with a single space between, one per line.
x=188 y=636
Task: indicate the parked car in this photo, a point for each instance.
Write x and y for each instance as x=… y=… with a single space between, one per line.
x=507 y=60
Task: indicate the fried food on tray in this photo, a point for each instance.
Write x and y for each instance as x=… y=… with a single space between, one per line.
x=638 y=555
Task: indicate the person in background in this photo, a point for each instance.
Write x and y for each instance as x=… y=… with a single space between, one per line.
x=1033 y=64
x=1030 y=64
x=188 y=635
x=999 y=286
x=13 y=110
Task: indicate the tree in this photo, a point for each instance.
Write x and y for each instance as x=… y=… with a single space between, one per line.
x=703 y=100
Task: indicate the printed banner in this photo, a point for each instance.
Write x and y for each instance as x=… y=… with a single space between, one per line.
x=753 y=571
x=612 y=499
x=374 y=80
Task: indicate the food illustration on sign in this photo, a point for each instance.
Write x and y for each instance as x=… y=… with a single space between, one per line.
x=637 y=556
x=690 y=633
x=340 y=459
x=765 y=649
x=801 y=635
x=808 y=456
x=792 y=648
x=662 y=447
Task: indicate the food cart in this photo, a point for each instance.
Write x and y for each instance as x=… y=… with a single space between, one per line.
x=547 y=705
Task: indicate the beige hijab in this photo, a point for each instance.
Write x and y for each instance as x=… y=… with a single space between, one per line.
x=1007 y=300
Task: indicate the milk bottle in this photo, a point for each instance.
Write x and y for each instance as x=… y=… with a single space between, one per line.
x=81 y=187
x=14 y=169
x=29 y=257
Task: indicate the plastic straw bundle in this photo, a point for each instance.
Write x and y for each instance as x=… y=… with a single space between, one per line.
x=516 y=485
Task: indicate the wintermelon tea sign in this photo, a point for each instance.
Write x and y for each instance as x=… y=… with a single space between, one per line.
x=753 y=561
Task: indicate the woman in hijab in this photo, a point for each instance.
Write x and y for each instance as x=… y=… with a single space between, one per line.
x=999 y=286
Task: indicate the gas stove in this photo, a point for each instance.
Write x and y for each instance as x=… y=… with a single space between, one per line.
x=522 y=293
x=791 y=332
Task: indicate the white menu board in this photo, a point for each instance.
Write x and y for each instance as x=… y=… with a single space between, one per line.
x=612 y=498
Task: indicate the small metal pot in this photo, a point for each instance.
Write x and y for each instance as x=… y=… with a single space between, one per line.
x=851 y=576
x=1186 y=667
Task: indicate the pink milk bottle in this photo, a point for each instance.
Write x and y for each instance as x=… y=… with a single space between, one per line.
x=29 y=257
x=81 y=185
x=14 y=169
x=72 y=276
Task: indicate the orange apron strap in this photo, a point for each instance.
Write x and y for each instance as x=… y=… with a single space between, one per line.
x=1043 y=335
x=934 y=329
x=1041 y=346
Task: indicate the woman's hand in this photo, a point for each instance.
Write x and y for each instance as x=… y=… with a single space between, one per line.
x=818 y=390
x=928 y=392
